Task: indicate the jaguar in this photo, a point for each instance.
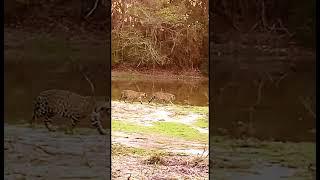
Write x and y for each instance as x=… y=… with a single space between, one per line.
x=132 y=95
x=52 y=104
x=162 y=96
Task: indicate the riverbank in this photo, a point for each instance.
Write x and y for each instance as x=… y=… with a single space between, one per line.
x=152 y=141
x=178 y=128
x=253 y=159
x=158 y=140
x=37 y=154
x=158 y=74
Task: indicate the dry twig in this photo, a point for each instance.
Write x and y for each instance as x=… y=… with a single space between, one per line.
x=93 y=8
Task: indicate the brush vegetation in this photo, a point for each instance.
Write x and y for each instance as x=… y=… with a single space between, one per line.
x=160 y=33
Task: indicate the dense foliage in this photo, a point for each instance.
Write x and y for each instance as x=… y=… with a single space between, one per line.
x=160 y=33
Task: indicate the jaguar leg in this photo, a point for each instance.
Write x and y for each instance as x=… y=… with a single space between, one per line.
x=96 y=122
x=48 y=124
x=74 y=122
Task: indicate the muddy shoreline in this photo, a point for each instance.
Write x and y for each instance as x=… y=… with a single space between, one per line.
x=37 y=154
x=159 y=74
x=34 y=153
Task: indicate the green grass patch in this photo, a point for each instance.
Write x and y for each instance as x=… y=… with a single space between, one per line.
x=200 y=109
x=117 y=125
x=171 y=129
x=179 y=130
x=202 y=122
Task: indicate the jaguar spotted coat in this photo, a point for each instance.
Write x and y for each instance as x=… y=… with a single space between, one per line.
x=52 y=104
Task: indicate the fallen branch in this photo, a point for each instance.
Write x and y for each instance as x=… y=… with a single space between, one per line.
x=93 y=8
x=44 y=150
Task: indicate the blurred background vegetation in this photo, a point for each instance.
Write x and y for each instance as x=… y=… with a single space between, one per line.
x=294 y=18
x=169 y=33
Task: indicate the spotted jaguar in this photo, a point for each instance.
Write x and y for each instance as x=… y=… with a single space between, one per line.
x=162 y=96
x=132 y=95
x=52 y=104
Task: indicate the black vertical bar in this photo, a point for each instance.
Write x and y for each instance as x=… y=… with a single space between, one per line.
x=108 y=88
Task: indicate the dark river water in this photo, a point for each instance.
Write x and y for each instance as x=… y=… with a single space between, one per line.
x=24 y=81
x=274 y=96
x=192 y=93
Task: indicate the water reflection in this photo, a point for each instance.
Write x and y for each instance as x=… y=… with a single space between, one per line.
x=195 y=93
